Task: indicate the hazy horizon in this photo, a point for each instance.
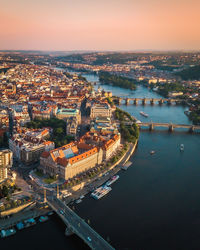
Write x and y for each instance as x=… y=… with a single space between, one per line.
x=114 y=25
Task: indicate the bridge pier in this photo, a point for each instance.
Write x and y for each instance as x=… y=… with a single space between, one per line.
x=151 y=127
x=144 y=101
x=135 y=101
x=119 y=100
x=161 y=101
x=68 y=231
x=152 y=101
x=177 y=102
x=127 y=101
x=169 y=102
x=191 y=129
x=171 y=128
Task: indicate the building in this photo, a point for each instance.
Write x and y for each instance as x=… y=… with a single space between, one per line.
x=107 y=140
x=100 y=109
x=4 y=118
x=110 y=146
x=65 y=113
x=175 y=94
x=104 y=125
x=71 y=126
x=6 y=161
x=70 y=160
x=28 y=146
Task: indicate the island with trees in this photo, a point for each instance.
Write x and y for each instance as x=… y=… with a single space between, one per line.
x=119 y=81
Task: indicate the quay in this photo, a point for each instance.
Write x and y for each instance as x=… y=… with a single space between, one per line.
x=21 y=216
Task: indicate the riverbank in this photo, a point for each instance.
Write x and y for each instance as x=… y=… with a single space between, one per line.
x=105 y=176
x=21 y=216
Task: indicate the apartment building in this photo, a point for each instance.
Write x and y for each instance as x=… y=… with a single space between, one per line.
x=6 y=161
x=28 y=146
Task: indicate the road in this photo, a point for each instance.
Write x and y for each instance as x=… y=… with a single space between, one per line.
x=79 y=226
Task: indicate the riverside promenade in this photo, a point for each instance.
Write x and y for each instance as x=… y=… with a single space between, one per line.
x=21 y=216
x=105 y=176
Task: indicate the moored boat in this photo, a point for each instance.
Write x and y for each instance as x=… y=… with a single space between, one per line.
x=100 y=192
x=8 y=232
x=112 y=180
x=20 y=225
x=78 y=201
x=29 y=222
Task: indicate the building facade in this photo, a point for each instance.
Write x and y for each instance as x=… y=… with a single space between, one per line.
x=6 y=161
x=102 y=109
x=70 y=160
x=28 y=146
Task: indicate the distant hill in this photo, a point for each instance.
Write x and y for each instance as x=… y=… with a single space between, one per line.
x=192 y=73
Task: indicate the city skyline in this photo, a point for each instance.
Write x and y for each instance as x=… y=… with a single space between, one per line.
x=108 y=26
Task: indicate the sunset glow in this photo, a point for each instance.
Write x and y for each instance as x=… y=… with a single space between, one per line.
x=100 y=25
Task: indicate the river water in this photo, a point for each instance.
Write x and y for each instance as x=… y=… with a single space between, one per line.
x=154 y=205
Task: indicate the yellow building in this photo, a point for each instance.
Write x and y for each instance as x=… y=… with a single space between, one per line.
x=6 y=160
x=70 y=160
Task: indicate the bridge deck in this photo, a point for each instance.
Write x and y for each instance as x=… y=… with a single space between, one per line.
x=167 y=125
x=79 y=226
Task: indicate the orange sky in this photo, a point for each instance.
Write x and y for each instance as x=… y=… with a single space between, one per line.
x=100 y=25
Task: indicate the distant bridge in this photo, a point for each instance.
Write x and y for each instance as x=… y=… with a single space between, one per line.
x=170 y=126
x=144 y=101
x=78 y=226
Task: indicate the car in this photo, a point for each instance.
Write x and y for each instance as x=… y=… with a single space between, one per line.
x=61 y=212
x=89 y=239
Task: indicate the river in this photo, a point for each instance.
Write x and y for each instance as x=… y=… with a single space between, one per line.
x=154 y=205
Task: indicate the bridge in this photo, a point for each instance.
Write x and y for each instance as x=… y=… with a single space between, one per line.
x=74 y=224
x=144 y=101
x=170 y=126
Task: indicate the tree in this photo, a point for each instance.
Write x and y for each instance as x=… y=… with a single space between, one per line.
x=5 y=191
x=59 y=131
x=2 y=208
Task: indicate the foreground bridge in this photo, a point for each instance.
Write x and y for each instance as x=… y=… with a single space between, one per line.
x=78 y=226
x=170 y=126
x=144 y=101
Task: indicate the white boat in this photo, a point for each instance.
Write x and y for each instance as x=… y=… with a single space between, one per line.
x=78 y=201
x=112 y=180
x=152 y=152
x=144 y=114
x=100 y=192
x=182 y=147
x=82 y=196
